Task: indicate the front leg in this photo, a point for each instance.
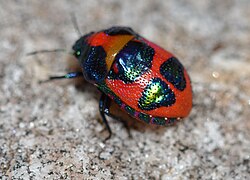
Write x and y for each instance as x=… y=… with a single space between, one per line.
x=69 y=75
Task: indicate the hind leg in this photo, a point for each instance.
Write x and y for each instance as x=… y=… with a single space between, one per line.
x=104 y=106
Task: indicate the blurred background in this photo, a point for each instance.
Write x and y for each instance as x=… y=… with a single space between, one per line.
x=52 y=130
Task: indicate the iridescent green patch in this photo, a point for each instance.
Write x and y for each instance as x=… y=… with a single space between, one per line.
x=156 y=94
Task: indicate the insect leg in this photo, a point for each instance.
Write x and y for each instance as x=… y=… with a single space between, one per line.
x=66 y=76
x=104 y=105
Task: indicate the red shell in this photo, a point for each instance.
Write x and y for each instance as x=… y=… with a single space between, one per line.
x=130 y=93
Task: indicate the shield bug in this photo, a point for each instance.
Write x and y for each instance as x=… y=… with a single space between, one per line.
x=143 y=79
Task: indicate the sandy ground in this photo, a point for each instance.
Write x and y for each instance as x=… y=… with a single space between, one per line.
x=52 y=130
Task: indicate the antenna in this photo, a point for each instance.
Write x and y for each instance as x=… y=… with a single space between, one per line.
x=75 y=24
x=45 y=51
x=76 y=27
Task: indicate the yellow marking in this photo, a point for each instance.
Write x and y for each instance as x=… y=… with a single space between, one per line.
x=115 y=46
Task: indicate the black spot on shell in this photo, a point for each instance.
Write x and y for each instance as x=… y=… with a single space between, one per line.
x=118 y=30
x=132 y=61
x=173 y=71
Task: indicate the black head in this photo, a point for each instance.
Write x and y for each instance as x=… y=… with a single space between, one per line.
x=91 y=59
x=80 y=47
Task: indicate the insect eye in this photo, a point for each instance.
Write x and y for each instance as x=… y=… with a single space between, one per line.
x=78 y=53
